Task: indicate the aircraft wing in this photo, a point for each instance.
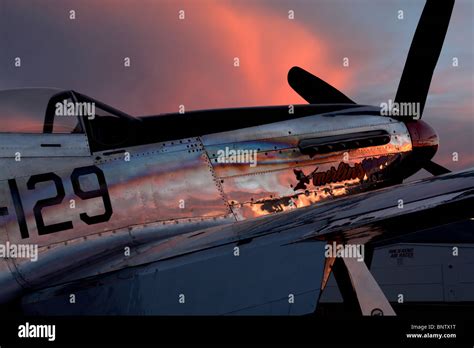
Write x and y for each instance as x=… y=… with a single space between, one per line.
x=270 y=265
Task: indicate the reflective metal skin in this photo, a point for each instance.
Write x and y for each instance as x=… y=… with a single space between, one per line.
x=183 y=194
x=197 y=263
x=159 y=190
x=280 y=179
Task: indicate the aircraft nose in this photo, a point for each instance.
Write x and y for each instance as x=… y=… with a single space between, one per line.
x=422 y=134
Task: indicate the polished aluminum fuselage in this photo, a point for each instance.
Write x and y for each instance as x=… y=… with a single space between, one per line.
x=160 y=190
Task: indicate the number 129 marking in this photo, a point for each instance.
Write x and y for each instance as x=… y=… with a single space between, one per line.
x=60 y=194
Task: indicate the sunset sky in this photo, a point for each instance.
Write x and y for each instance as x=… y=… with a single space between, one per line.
x=191 y=61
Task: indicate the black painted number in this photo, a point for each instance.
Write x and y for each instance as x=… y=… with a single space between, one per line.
x=42 y=203
x=101 y=192
x=43 y=229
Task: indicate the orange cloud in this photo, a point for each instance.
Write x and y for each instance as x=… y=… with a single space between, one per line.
x=191 y=61
x=267 y=45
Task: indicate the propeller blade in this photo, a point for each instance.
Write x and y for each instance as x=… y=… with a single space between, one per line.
x=424 y=52
x=435 y=169
x=313 y=89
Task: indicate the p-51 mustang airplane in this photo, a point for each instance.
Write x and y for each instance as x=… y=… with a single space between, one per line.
x=177 y=213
